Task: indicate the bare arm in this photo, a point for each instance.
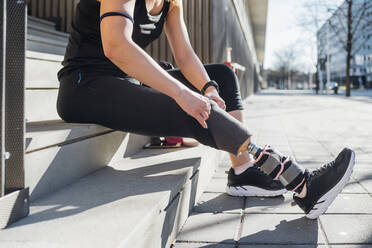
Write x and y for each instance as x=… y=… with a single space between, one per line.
x=184 y=54
x=119 y=47
x=186 y=59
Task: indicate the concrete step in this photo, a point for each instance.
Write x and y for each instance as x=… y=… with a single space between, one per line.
x=41 y=86
x=59 y=153
x=137 y=202
x=46 y=32
x=40 y=105
x=42 y=69
x=45 y=45
x=42 y=37
x=31 y=20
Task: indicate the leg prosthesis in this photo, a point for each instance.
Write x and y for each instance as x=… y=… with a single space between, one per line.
x=277 y=166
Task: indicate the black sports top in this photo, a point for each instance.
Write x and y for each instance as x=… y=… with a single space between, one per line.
x=84 y=50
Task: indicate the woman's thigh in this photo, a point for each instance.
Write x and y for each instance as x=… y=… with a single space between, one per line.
x=123 y=104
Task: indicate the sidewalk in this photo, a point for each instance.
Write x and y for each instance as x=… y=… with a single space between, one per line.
x=312 y=129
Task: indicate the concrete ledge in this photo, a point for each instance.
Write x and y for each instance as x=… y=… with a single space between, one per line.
x=141 y=201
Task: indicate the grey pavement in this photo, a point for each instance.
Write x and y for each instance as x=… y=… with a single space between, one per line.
x=312 y=129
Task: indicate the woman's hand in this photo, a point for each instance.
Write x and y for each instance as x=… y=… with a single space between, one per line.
x=195 y=105
x=212 y=94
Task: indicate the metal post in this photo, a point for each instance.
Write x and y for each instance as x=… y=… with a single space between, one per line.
x=2 y=95
x=14 y=203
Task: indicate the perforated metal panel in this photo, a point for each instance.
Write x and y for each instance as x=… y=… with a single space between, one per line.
x=14 y=95
x=14 y=202
x=2 y=98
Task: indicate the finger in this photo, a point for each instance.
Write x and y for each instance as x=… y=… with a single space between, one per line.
x=201 y=121
x=223 y=105
x=208 y=110
x=205 y=115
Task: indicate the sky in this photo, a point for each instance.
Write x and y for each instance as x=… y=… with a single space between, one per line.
x=285 y=28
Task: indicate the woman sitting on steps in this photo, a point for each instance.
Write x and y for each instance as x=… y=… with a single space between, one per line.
x=101 y=82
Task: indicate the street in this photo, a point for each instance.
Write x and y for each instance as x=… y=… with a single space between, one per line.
x=312 y=129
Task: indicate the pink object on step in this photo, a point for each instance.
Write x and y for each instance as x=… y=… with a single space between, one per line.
x=173 y=140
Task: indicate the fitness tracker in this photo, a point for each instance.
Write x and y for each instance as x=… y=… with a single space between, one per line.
x=210 y=83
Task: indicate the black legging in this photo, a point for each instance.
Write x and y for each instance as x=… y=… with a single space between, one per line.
x=124 y=104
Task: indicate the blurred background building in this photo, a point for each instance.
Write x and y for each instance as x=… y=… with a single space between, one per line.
x=212 y=25
x=332 y=40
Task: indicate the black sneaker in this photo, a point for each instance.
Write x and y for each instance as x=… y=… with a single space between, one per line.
x=324 y=184
x=253 y=182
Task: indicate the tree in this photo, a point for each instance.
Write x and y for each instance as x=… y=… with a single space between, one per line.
x=358 y=24
x=286 y=62
x=348 y=23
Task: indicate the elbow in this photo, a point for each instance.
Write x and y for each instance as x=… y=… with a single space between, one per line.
x=111 y=50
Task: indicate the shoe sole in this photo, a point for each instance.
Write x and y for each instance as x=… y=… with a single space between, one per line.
x=331 y=195
x=252 y=191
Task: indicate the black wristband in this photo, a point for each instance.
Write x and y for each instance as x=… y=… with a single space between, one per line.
x=210 y=83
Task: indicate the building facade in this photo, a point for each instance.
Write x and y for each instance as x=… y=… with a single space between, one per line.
x=331 y=44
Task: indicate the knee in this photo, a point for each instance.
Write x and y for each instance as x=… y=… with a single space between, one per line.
x=224 y=76
x=224 y=71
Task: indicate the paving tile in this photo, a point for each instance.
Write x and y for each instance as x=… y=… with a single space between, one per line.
x=202 y=245
x=364 y=177
x=219 y=202
x=282 y=246
x=348 y=229
x=221 y=173
x=353 y=187
x=208 y=227
x=217 y=185
x=279 y=204
x=351 y=246
x=351 y=203
x=280 y=229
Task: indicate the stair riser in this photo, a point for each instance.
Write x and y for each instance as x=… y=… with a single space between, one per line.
x=50 y=169
x=41 y=73
x=41 y=105
x=168 y=222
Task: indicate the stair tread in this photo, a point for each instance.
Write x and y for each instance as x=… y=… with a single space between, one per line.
x=106 y=208
x=46 y=133
x=44 y=56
